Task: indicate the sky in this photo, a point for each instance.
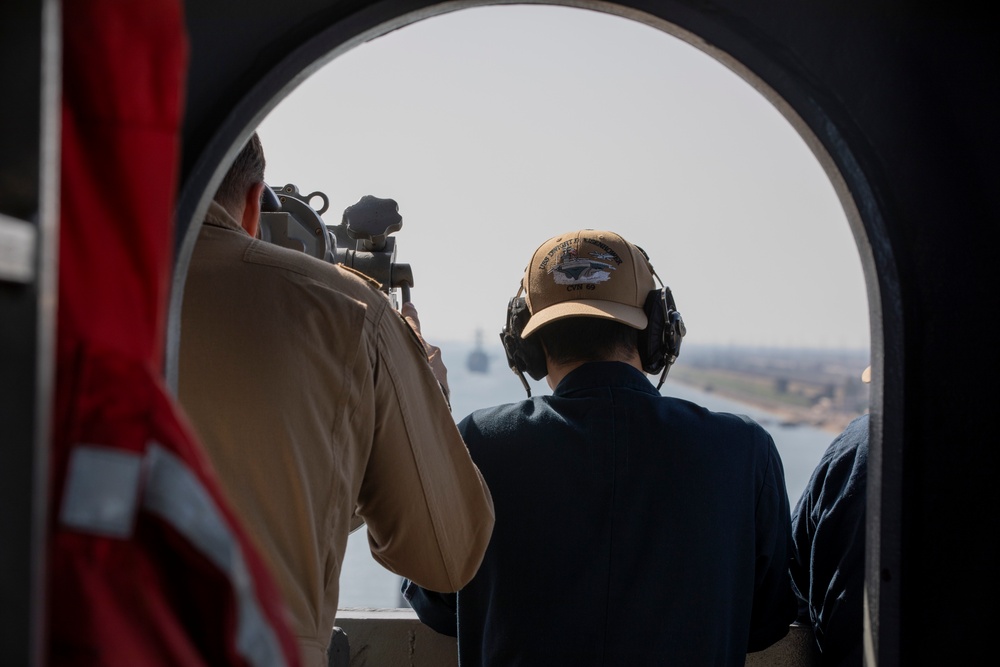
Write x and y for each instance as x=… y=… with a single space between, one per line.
x=495 y=128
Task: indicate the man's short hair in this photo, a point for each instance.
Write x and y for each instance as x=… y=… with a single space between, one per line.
x=247 y=171
x=576 y=339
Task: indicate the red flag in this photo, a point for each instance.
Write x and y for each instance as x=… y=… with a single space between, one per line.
x=147 y=563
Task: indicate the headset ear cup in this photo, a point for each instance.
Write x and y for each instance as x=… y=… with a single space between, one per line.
x=523 y=355
x=508 y=336
x=660 y=342
x=651 y=339
x=533 y=358
x=675 y=329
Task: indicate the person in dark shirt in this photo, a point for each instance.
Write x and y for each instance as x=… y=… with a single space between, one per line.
x=828 y=538
x=631 y=528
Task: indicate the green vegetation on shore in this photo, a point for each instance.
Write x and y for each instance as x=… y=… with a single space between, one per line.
x=815 y=387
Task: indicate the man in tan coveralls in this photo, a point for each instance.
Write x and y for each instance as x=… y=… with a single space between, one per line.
x=318 y=407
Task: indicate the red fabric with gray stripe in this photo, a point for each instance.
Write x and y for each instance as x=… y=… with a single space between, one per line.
x=180 y=584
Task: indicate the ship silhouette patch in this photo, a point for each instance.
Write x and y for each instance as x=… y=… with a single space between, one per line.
x=572 y=269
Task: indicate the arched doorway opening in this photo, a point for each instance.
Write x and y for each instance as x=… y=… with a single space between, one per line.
x=494 y=127
x=739 y=47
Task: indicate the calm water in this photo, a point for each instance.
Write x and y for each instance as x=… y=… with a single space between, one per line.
x=364 y=583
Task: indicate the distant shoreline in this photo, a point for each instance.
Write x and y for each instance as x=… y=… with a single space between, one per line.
x=825 y=419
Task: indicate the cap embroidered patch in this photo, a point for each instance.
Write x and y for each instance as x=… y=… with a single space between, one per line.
x=572 y=269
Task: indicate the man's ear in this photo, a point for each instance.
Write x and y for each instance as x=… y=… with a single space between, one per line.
x=251 y=209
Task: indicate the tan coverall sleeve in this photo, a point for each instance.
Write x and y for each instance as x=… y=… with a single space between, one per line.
x=428 y=511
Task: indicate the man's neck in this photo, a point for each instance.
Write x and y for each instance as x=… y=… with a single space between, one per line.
x=557 y=371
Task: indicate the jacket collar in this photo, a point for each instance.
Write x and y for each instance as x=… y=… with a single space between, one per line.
x=220 y=217
x=604 y=374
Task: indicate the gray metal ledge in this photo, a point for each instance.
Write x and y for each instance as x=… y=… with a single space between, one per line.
x=395 y=638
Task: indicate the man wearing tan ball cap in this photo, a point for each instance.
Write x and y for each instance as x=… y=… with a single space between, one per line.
x=631 y=528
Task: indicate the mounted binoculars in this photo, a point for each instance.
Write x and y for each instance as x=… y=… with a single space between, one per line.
x=361 y=241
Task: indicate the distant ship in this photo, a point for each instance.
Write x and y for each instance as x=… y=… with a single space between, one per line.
x=478 y=361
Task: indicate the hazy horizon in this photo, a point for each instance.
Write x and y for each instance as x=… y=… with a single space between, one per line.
x=491 y=339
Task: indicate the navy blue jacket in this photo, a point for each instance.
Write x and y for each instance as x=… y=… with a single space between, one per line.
x=828 y=532
x=631 y=529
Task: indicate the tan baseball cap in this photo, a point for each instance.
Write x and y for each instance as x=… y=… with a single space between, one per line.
x=588 y=273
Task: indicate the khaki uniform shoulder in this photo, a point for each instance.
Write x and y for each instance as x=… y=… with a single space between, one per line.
x=368 y=279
